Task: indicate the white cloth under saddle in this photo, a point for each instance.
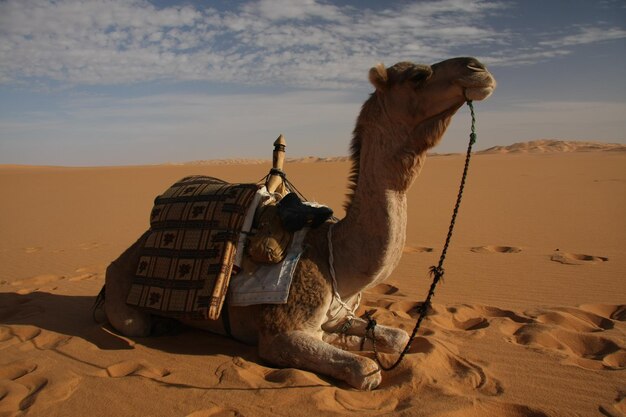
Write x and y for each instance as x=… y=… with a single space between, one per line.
x=269 y=284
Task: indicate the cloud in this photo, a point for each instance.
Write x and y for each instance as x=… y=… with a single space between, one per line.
x=275 y=10
x=587 y=35
x=294 y=43
x=304 y=43
x=524 y=57
x=554 y=47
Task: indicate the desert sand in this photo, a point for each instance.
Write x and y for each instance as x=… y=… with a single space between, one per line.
x=530 y=320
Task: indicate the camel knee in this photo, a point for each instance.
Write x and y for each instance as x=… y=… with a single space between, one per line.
x=125 y=319
x=128 y=321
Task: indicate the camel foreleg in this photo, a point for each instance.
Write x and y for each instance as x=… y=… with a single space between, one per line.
x=299 y=349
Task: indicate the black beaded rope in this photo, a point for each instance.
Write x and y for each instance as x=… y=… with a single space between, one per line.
x=435 y=271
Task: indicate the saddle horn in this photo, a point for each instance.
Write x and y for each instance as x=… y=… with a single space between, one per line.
x=275 y=182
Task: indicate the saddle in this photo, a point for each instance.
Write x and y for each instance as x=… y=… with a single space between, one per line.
x=200 y=229
x=187 y=258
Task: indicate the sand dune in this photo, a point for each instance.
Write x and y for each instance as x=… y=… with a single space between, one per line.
x=535 y=146
x=550 y=146
x=305 y=159
x=530 y=320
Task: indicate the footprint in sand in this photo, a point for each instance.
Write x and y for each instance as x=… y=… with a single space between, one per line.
x=573 y=334
x=398 y=309
x=421 y=345
x=294 y=378
x=19 y=308
x=84 y=273
x=473 y=374
x=577 y=258
x=383 y=289
x=37 y=280
x=22 y=333
x=442 y=365
x=407 y=309
x=480 y=407
x=495 y=312
x=576 y=320
x=462 y=318
x=19 y=387
x=90 y=245
x=474 y=317
x=134 y=368
x=417 y=249
x=216 y=411
x=38 y=338
x=411 y=308
x=32 y=249
x=82 y=277
x=377 y=302
x=21 y=382
x=585 y=350
x=239 y=371
x=610 y=311
x=34 y=283
x=340 y=402
x=618 y=408
x=496 y=249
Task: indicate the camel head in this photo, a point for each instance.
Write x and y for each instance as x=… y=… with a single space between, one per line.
x=413 y=93
x=409 y=113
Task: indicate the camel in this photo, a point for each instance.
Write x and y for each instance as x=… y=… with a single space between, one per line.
x=316 y=330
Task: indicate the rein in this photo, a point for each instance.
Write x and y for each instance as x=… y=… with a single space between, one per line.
x=435 y=271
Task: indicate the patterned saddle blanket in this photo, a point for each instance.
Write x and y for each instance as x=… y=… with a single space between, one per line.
x=187 y=259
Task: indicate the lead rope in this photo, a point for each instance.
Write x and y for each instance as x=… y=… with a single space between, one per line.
x=435 y=271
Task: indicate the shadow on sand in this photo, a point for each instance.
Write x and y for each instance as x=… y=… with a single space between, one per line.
x=72 y=316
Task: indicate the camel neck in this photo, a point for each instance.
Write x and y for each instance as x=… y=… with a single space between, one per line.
x=368 y=242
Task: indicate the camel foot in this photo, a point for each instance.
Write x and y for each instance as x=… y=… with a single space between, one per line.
x=368 y=375
x=302 y=350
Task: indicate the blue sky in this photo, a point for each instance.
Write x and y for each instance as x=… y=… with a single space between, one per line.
x=110 y=82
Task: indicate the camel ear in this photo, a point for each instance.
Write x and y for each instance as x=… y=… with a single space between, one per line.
x=378 y=76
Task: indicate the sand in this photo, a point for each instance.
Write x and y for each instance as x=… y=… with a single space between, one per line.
x=530 y=320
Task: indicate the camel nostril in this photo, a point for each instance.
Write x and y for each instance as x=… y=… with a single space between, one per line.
x=478 y=67
x=475 y=65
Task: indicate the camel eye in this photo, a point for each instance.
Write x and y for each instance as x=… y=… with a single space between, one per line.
x=420 y=76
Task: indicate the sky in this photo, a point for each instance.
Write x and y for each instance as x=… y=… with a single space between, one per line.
x=118 y=82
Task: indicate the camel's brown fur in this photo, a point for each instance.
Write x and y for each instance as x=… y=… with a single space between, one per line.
x=308 y=294
x=309 y=290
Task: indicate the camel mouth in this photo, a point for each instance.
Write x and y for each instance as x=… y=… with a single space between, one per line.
x=478 y=86
x=478 y=93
